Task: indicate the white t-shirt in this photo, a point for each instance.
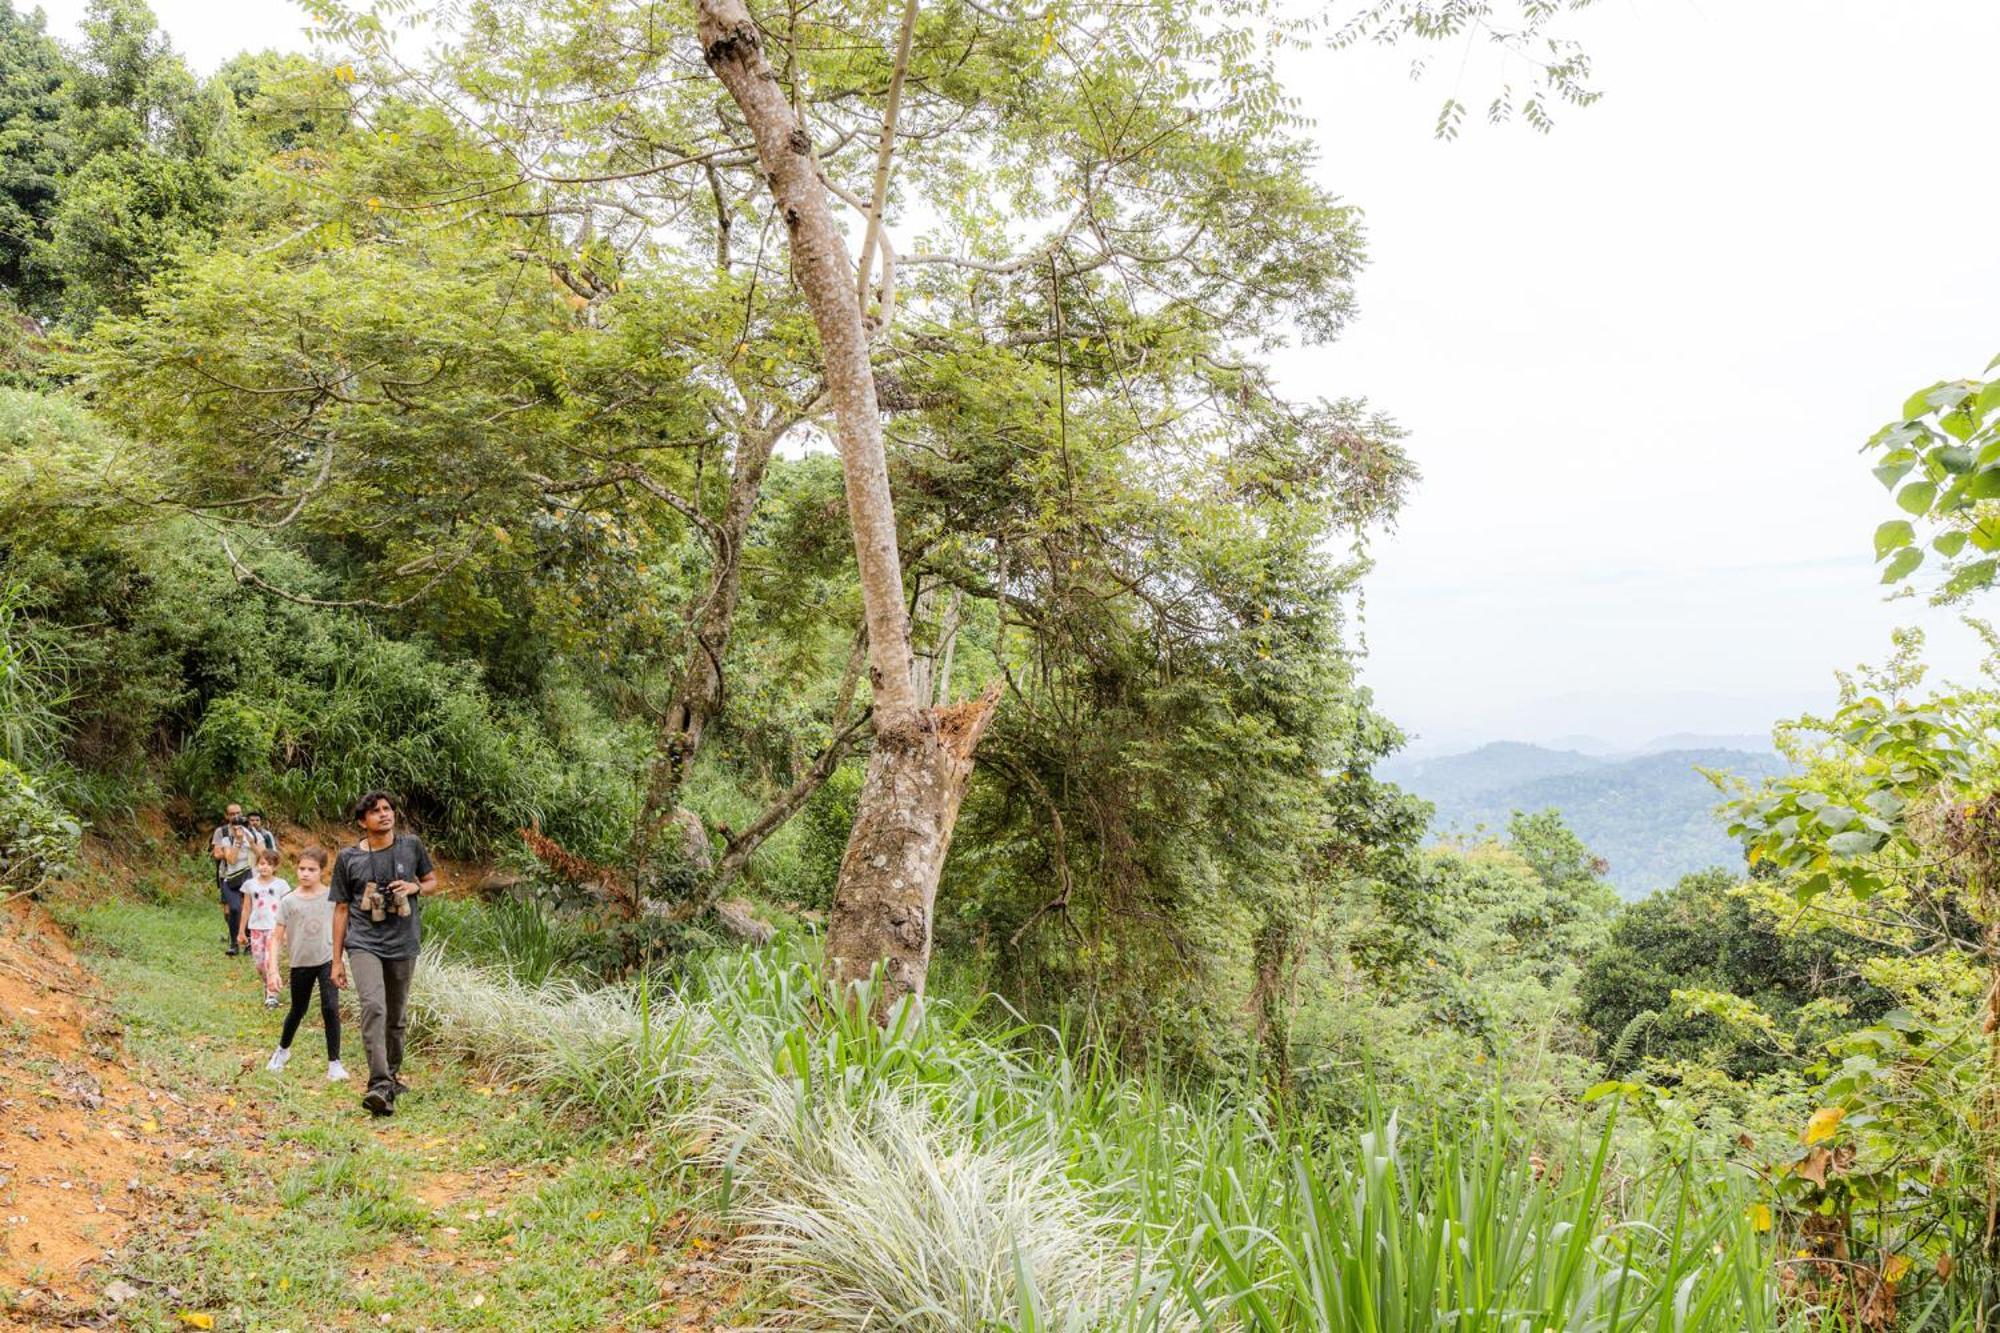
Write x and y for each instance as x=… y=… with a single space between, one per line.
x=261 y=897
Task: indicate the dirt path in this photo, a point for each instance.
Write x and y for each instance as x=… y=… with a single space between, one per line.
x=154 y=1175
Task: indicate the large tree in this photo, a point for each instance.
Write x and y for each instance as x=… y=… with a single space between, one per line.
x=32 y=161
x=1051 y=365
x=150 y=152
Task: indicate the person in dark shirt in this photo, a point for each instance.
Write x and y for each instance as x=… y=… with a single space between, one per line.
x=261 y=833
x=384 y=875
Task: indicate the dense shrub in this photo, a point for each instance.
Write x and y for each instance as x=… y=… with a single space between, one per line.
x=823 y=828
x=172 y=667
x=535 y=939
x=1708 y=934
x=38 y=839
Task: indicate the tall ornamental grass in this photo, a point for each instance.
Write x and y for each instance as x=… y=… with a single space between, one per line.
x=949 y=1176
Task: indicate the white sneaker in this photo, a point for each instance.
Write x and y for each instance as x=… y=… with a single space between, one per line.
x=277 y=1060
x=335 y=1072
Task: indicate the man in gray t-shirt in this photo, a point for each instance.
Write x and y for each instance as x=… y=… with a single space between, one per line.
x=234 y=852
x=386 y=874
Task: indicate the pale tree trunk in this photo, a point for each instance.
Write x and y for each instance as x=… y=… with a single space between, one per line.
x=923 y=757
x=699 y=698
x=949 y=636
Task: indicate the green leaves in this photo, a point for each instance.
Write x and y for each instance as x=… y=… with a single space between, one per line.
x=1917 y=497
x=1947 y=446
x=1897 y=532
x=1903 y=565
x=1894 y=469
x=1847 y=831
x=1855 y=842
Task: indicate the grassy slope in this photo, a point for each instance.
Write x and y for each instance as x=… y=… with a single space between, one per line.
x=955 y=1180
x=472 y=1208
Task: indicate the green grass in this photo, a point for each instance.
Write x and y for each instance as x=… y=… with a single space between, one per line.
x=965 y=1175
x=960 y=1177
x=480 y=1205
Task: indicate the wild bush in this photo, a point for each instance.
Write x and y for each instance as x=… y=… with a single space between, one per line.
x=950 y=1177
x=38 y=838
x=167 y=664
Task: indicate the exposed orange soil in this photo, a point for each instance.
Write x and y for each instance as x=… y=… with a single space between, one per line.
x=85 y=1148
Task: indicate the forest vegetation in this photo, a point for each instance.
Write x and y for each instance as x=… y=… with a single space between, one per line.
x=807 y=497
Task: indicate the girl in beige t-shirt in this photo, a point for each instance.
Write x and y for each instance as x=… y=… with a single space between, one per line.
x=305 y=932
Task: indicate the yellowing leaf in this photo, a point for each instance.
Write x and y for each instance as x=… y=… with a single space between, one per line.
x=1821 y=1126
x=193 y=1320
x=374 y=203
x=1760 y=1217
x=345 y=73
x=502 y=536
x=1893 y=1270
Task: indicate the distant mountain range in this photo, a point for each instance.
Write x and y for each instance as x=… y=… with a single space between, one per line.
x=1651 y=814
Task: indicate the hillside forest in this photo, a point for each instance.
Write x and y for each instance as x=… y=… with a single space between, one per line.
x=1650 y=816
x=801 y=502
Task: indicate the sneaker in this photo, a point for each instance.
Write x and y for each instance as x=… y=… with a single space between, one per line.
x=335 y=1072
x=278 y=1059
x=378 y=1103
x=400 y=1086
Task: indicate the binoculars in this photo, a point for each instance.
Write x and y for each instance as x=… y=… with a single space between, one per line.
x=378 y=900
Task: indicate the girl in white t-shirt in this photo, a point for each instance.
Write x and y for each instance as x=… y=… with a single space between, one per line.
x=260 y=918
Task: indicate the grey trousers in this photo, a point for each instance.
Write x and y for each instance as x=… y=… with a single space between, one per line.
x=382 y=985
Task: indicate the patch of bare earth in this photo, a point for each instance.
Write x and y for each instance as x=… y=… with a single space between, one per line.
x=85 y=1147
x=705 y=1292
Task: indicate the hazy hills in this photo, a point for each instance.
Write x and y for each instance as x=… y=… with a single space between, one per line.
x=1651 y=815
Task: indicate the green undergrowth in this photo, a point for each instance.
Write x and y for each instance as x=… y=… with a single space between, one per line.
x=971 y=1173
x=964 y=1172
x=480 y=1205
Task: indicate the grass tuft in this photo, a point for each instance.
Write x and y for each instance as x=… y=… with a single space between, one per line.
x=957 y=1176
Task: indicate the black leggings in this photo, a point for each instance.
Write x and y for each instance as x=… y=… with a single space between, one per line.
x=329 y=1006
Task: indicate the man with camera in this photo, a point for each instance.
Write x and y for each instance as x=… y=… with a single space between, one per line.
x=233 y=849
x=377 y=891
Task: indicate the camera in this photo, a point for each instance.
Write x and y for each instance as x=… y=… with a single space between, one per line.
x=236 y=821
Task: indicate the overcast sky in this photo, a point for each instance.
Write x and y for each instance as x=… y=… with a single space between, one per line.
x=1637 y=356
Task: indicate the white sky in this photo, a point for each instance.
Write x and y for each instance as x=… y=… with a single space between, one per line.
x=1636 y=357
